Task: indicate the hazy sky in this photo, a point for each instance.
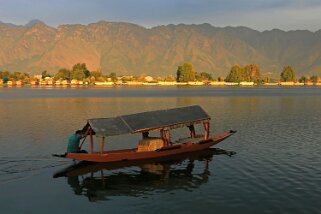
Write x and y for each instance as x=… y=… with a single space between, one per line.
x=257 y=14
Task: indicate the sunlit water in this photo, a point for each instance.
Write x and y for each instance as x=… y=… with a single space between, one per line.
x=277 y=168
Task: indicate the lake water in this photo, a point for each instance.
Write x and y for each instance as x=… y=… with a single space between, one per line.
x=276 y=168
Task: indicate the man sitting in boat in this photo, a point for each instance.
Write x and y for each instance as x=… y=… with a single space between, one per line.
x=73 y=142
x=145 y=135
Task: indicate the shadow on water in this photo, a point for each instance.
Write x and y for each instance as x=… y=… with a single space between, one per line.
x=101 y=181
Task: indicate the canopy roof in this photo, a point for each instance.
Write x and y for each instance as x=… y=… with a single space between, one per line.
x=147 y=121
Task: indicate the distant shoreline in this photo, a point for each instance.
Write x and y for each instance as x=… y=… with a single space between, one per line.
x=18 y=84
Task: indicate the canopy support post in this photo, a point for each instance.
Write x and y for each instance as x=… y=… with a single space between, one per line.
x=161 y=132
x=192 y=130
x=166 y=136
x=91 y=141
x=102 y=145
x=207 y=129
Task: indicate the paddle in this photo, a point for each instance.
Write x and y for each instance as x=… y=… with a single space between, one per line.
x=59 y=156
x=86 y=134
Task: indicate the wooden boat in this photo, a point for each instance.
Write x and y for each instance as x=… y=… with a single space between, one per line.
x=101 y=181
x=85 y=167
x=150 y=147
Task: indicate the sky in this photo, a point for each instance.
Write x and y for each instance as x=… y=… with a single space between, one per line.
x=257 y=14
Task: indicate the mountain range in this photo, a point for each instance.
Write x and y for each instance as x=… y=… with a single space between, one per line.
x=130 y=49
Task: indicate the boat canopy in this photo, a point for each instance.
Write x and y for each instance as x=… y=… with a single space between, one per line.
x=146 y=121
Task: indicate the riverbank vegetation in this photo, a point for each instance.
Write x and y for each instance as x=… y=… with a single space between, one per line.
x=248 y=73
x=186 y=74
x=288 y=74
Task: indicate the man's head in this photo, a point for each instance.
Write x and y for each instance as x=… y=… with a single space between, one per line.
x=78 y=132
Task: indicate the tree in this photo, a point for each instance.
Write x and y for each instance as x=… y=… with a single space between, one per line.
x=63 y=74
x=220 y=79
x=249 y=73
x=185 y=73
x=169 y=78
x=203 y=76
x=15 y=76
x=4 y=75
x=78 y=75
x=235 y=74
x=5 y=79
x=246 y=73
x=303 y=79
x=113 y=76
x=25 y=77
x=314 y=79
x=287 y=74
x=95 y=74
x=45 y=74
x=79 y=71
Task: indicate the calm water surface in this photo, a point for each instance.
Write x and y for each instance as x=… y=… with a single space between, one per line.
x=277 y=168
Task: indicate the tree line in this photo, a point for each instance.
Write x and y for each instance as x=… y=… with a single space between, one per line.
x=185 y=72
x=5 y=76
x=251 y=73
x=288 y=75
x=78 y=72
x=247 y=73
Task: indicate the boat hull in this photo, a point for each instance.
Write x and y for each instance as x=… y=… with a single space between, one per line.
x=132 y=154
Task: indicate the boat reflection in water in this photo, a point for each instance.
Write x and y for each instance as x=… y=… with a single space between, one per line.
x=98 y=181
